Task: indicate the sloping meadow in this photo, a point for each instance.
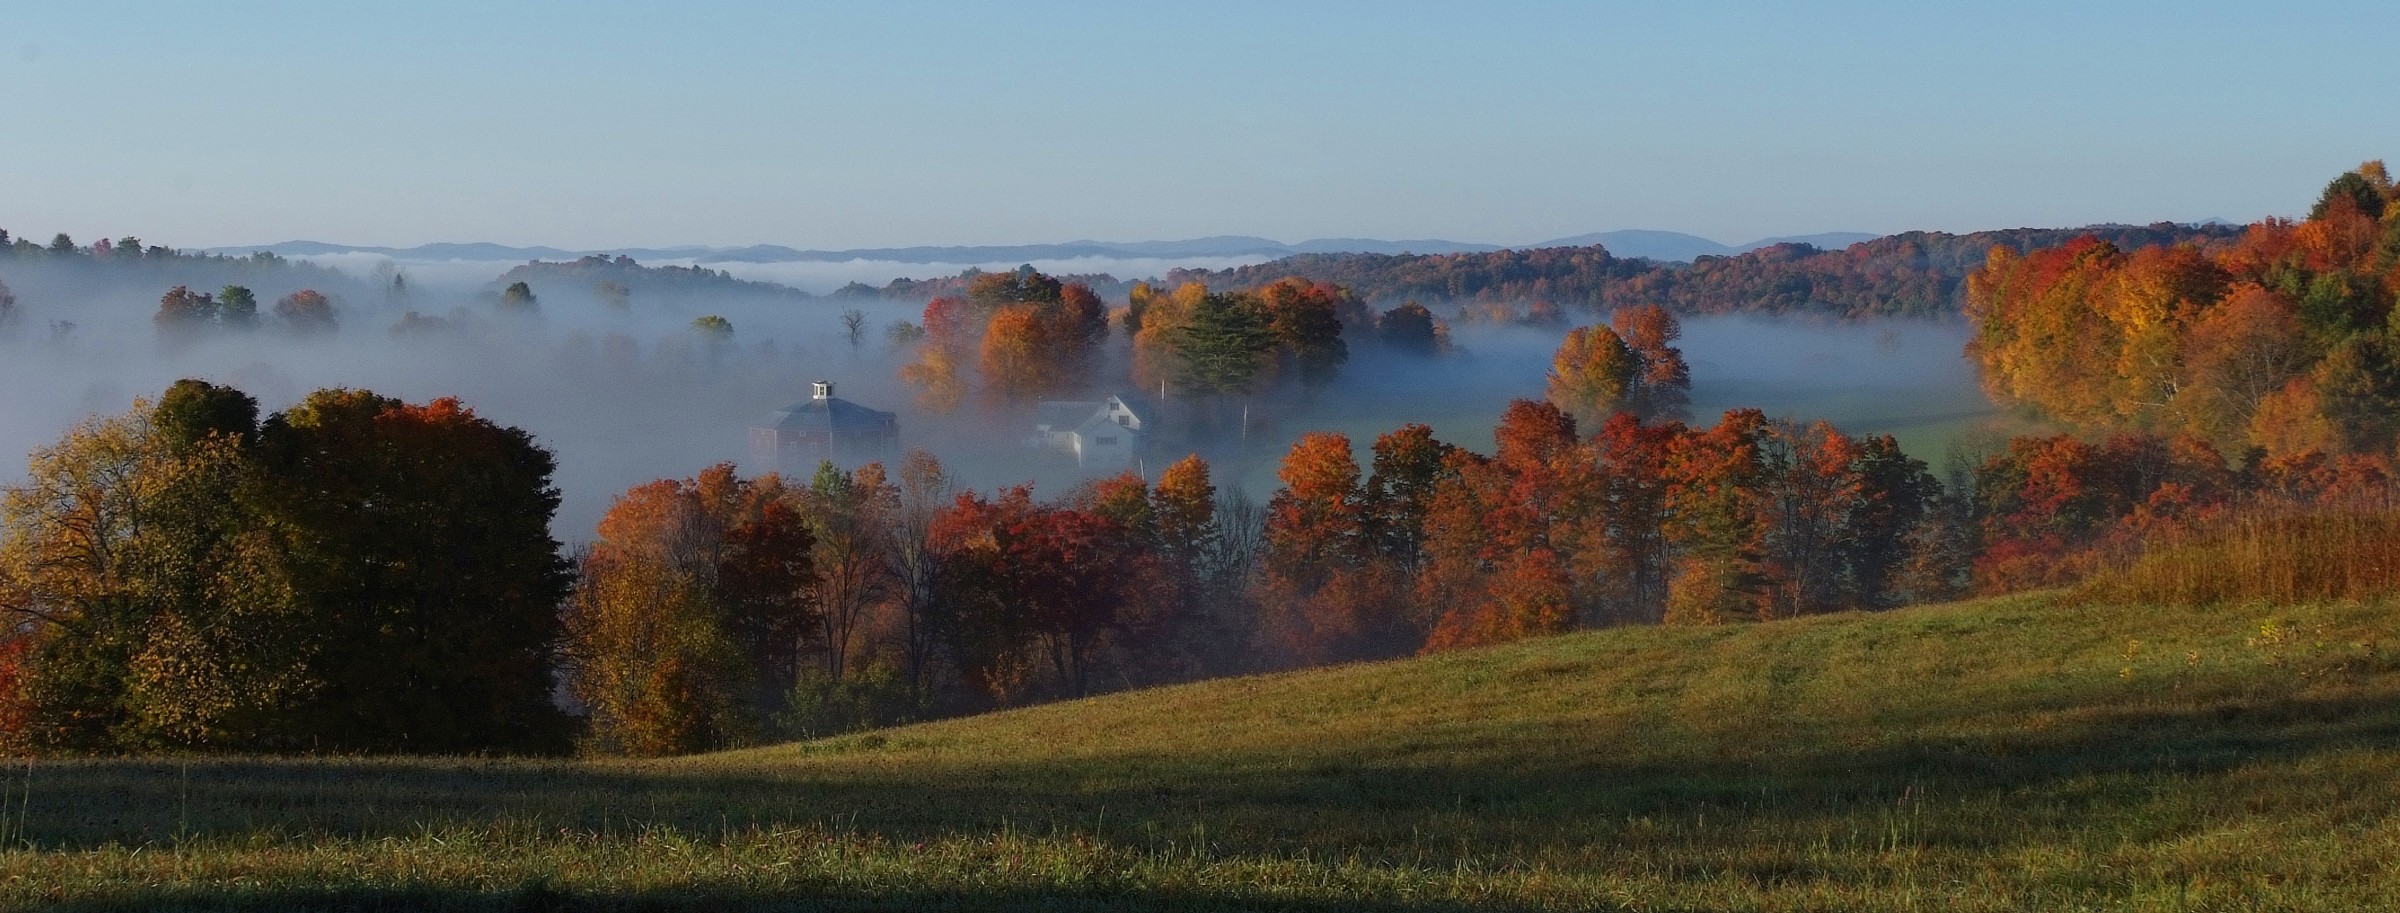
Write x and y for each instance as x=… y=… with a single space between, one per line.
x=2026 y=753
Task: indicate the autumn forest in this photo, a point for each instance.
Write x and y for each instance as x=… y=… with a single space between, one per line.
x=361 y=574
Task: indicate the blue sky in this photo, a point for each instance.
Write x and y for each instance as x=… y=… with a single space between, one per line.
x=616 y=124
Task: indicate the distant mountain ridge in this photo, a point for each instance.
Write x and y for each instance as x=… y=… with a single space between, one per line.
x=1915 y=273
x=1677 y=247
x=1653 y=245
x=1220 y=246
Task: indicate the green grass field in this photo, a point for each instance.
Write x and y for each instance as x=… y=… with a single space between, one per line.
x=2019 y=754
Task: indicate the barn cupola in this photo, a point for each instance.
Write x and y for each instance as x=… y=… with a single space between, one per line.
x=822 y=389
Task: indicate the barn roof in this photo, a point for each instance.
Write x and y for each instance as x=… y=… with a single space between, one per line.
x=829 y=415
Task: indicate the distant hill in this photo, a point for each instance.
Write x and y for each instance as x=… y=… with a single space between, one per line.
x=1831 y=240
x=1841 y=273
x=1916 y=273
x=581 y=278
x=1220 y=246
x=1649 y=245
x=452 y=251
x=1663 y=246
x=1677 y=247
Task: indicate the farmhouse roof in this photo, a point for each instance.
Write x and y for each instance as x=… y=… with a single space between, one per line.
x=1061 y=415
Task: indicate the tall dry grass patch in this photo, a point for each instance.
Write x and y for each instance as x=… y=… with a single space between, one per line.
x=2280 y=558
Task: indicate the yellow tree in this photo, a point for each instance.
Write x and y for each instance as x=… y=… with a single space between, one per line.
x=1593 y=374
x=934 y=372
x=1160 y=321
x=1018 y=354
x=684 y=627
x=2237 y=353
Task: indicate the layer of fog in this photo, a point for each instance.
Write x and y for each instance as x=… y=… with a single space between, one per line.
x=623 y=398
x=1906 y=378
x=814 y=277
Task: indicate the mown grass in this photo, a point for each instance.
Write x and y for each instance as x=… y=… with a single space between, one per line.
x=2032 y=753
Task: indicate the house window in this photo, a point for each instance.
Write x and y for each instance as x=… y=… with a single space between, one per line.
x=1122 y=420
x=1107 y=442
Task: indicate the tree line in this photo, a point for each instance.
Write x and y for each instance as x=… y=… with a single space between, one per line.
x=1909 y=274
x=53 y=279
x=359 y=574
x=616 y=280
x=1022 y=335
x=185 y=316
x=718 y=610
x=2280 y=343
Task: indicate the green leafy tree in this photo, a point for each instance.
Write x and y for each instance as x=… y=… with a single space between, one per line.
x=1222 y=344
x=716 y=336
x=848 y=516
x=612 y=294
x=1410 y=328
x=2355 y=188
x=518 y=299
x=237 y=308
x=1023 y=285
x=419 y=538
x=1306 y=319
x=145 y=586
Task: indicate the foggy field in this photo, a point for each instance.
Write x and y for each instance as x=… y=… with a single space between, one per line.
x=2040 y=763
x=1905 y=378
x=626 y=398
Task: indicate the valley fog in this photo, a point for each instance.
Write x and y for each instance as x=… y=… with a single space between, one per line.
x=624 y=398
x=816 y=277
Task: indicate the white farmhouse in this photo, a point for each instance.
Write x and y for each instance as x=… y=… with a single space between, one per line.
x=1105 y=434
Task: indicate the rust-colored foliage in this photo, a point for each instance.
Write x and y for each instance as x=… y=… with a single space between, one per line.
x=1627 y=548
x=1038 y=587
x=1662 y=384
x=14 y=710
x=692 y=613
x=307 y=312
x=1316 y=523
x=1029 y=333
x=1183 y=510
x=1124 y=499
x=1325 y=594
x=2275 y=341
x=1713 y=496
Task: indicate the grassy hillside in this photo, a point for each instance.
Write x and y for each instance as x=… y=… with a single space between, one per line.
x=2022 y=754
